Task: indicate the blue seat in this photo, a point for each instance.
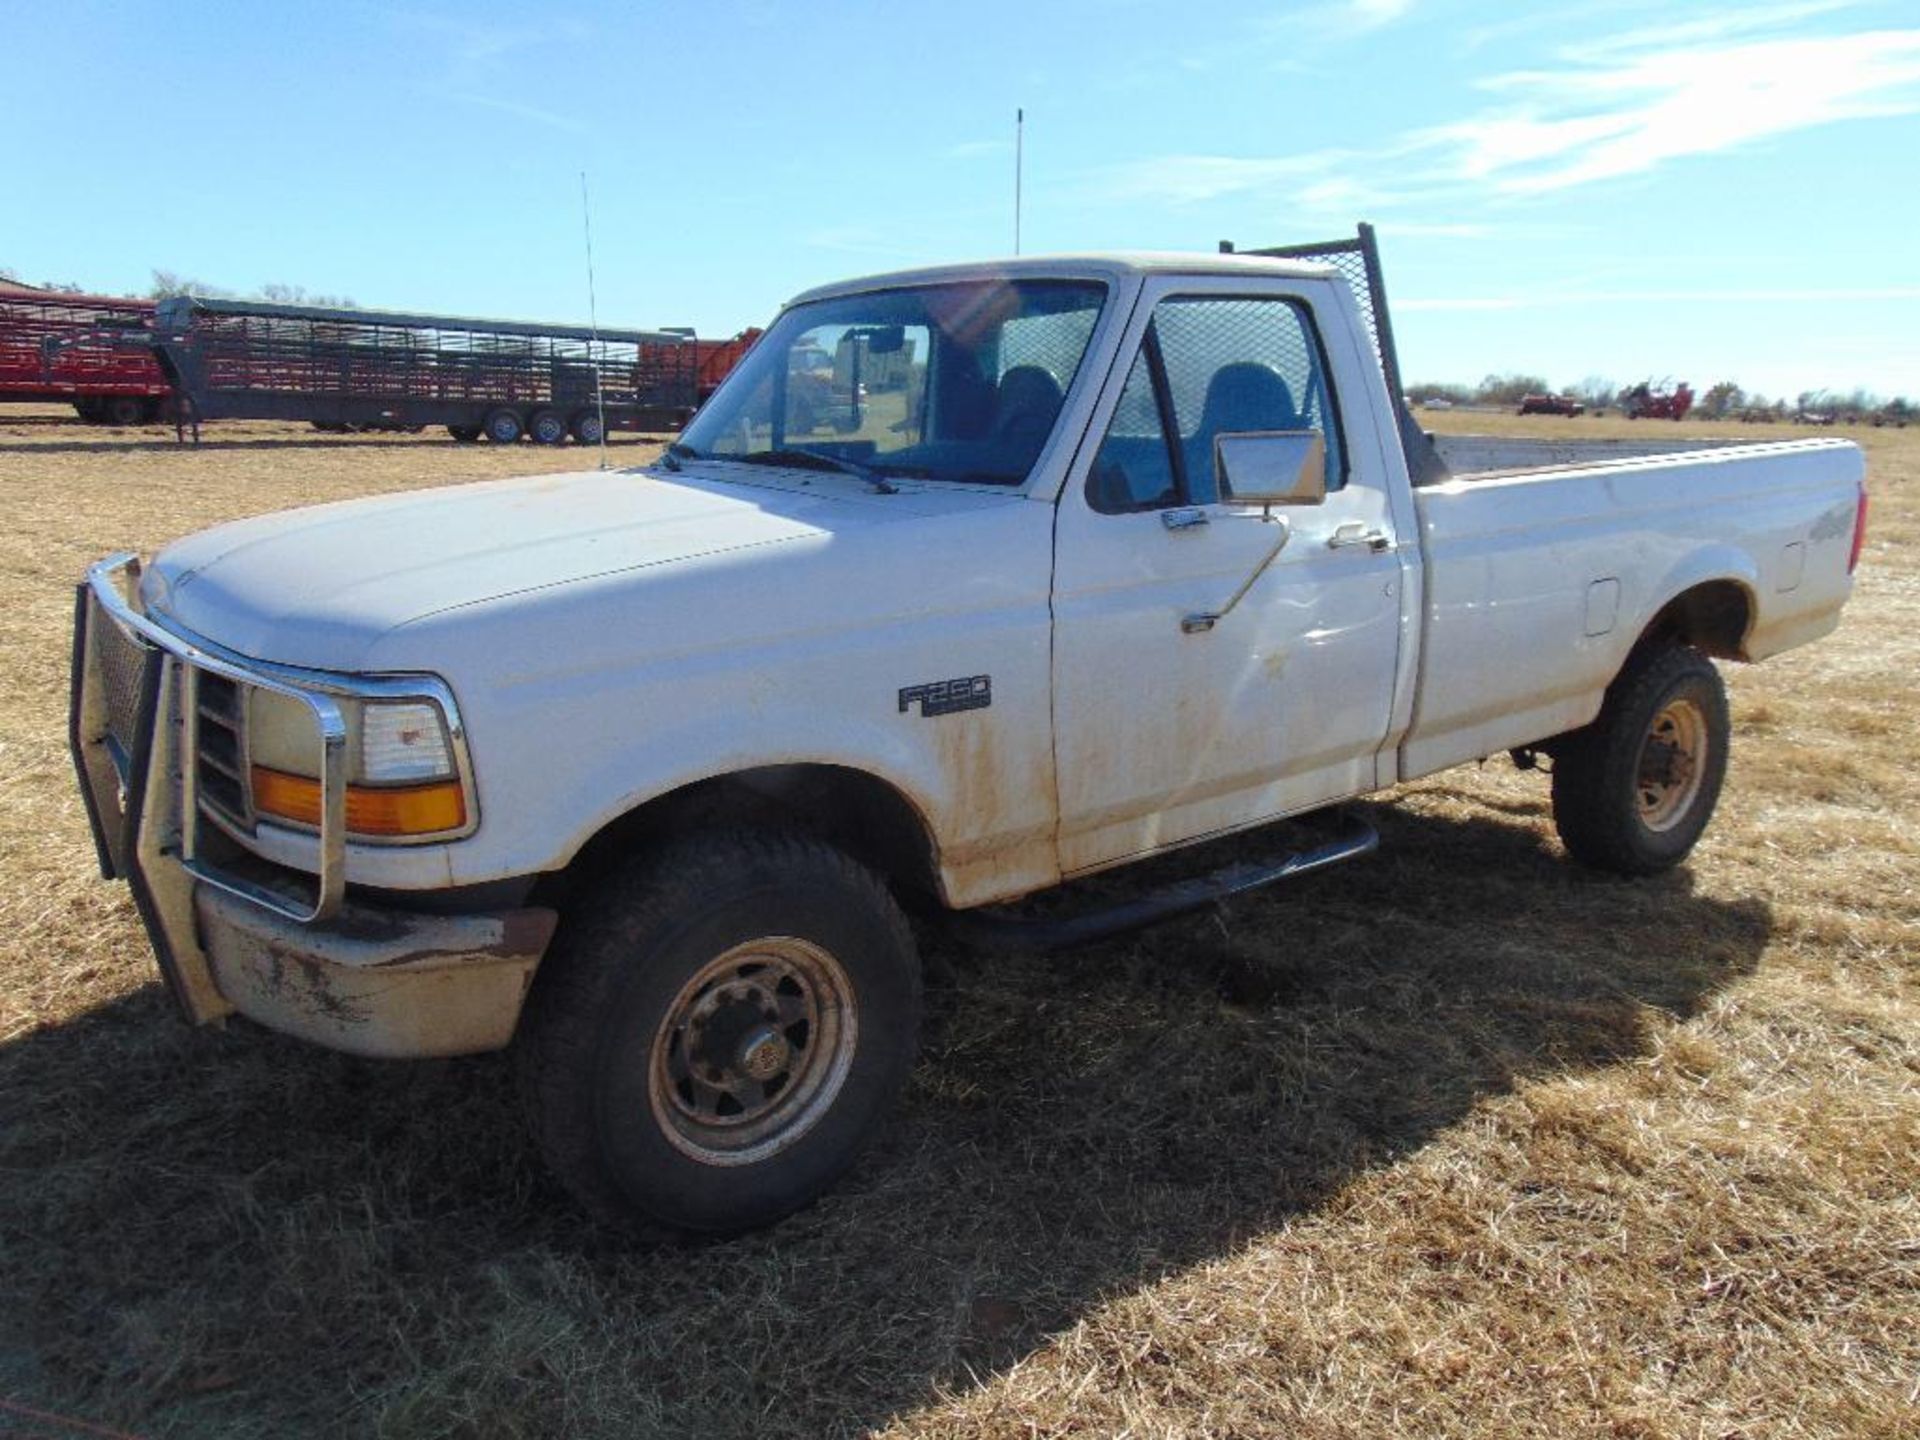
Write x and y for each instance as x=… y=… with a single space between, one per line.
x=1244 y=395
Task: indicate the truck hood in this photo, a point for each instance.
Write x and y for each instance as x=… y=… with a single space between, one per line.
x=318 y=587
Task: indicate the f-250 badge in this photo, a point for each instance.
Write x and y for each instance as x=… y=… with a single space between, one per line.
x=948 y=697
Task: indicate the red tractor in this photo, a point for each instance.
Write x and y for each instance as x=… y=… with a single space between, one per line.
x=1643 y=402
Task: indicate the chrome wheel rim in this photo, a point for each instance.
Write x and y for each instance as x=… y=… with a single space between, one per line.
x=1672 y=765
x=753 y=1051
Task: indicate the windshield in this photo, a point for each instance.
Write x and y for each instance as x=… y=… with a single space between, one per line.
x=935 y=382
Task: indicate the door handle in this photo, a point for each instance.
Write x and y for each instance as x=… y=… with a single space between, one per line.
x=1354 y=535
x=1204 y=620
x=1187 y=517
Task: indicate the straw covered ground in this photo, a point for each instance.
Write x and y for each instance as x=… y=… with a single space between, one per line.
x=1461 y=1140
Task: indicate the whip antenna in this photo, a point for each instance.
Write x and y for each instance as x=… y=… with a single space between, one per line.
x=1019 y=142
x=593 y=321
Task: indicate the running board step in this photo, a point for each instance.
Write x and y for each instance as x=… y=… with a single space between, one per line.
x=991 y=928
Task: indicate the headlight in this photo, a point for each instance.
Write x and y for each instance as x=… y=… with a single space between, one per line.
x=402 y=778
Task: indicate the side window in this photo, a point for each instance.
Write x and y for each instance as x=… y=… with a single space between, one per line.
x=1235 y=365
x=1134 y=467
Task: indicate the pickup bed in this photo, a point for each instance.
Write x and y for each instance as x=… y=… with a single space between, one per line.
x=1066 y=563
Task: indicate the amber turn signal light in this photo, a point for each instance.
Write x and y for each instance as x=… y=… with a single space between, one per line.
x=397 y=810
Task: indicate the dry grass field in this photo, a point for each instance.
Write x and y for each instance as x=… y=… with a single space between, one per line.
x=1460 y=1140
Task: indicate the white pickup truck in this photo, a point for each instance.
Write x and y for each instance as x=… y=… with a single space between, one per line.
x=1066 y=562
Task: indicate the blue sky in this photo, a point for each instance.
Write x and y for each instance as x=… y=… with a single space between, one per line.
x=1617 y=189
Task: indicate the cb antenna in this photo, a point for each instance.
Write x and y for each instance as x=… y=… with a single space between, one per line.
x=593 y=321
x=1019 y=140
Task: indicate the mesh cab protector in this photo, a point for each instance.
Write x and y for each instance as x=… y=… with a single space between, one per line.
x=1358 y=261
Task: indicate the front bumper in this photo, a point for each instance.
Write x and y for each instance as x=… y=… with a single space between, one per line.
x=373 y=981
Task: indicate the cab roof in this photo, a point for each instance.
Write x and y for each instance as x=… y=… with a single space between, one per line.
x=1107 y=266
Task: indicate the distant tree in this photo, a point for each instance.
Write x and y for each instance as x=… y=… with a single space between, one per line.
x=1595 y=392
x=1857 y=405
x=168 y=283
x=1722 y=400
x=280 y=294
x=1507 y=389
x=1421 y=393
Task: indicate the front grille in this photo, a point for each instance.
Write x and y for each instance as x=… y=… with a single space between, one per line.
x=221 y=763
x=122 y=658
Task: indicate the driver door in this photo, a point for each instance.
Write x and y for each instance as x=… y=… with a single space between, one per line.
x=1165 y=732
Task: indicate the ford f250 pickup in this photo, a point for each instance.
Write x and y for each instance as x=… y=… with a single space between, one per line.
x=1070 y=562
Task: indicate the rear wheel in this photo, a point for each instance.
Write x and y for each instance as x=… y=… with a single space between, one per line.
x=548 y=427
x=587 y=428
x=714 y=1039
x=1634 y=791
x=465 y=434
x=123 y=410
x=503 y=426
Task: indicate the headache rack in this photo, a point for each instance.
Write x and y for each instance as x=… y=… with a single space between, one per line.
x=1357 y=258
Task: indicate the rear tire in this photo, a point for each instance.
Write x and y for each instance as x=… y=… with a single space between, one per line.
x=503 y=427
x=717 y=1034
x=465 y=434
x=1634 y=790
x=548 y=427
x=587 y=428
x=123 y=410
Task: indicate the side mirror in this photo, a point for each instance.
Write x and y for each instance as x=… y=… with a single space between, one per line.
x=1271 y=467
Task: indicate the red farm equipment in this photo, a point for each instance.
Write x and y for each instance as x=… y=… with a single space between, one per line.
x=1550 y=405
x=93 y=352
x=717 y=357
x=1644 y=402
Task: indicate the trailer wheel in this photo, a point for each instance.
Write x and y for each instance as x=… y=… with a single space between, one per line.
x=465 y=434
x=1634 y=790
x=124 y=410
x=586 y=427
x=718 y=1031
x=548 y=427
x=88 y=410
x=503 y=427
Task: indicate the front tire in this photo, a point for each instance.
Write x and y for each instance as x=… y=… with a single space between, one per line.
x=1634 y=790
x=718 y=1033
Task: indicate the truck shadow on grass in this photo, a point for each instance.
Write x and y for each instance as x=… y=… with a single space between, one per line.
x=234 y=1234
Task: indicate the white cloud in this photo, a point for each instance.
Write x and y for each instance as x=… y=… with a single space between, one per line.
x=1604 y=119
x=1603 y=109
x=1372 y=14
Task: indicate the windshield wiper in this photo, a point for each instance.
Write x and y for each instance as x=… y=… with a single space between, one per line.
x=819 y=460
x=675 y=453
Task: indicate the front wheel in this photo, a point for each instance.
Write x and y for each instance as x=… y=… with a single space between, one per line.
x=716 y=1036
x=1634 y=790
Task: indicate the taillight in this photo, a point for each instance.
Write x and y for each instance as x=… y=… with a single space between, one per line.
x=1859 y=531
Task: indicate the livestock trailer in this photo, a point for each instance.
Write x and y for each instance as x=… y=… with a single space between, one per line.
x=373 y=369
x=90 y=351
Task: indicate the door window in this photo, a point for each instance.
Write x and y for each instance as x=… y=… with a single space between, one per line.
x=1225 y=365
